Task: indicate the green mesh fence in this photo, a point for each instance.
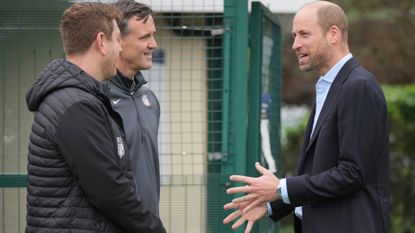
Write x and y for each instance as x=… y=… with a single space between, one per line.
x=186 y=82
x=29 y=39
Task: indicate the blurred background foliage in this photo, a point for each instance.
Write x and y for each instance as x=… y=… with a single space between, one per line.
x=382 y=39
x=401 y=110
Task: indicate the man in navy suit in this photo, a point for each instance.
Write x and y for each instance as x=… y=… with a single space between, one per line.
x=342 y=184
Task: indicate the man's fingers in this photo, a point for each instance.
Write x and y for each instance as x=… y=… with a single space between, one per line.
x=230 y=205
x=249 y=226
x=240 y=189
x=243 y=179
x=238 y=223
x=261 y=169
x=251 y=206
x=244 y=198
x=231 y=217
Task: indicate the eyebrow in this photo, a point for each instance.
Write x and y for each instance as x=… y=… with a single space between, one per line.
x=302 y=31
x=145 y=35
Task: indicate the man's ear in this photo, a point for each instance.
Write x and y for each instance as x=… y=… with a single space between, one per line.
x=334 y=34
x=100 y=43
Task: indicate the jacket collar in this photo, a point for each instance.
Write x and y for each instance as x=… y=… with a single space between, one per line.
x=128 y=84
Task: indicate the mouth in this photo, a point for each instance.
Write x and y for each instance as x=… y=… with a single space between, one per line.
x=148 y=54
x=302 y=57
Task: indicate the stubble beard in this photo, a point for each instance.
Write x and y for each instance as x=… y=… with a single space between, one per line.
x=317 y=59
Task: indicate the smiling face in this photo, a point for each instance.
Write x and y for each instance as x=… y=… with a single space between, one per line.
x=137 y=46
x=310 y=42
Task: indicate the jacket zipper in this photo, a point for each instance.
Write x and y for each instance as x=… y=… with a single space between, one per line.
x=138 y=116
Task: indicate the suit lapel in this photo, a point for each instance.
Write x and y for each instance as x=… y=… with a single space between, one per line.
x=307 y=134
x=327 y=106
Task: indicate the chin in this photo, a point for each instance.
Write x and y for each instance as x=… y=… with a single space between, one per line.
x=149 y=65
x=305 y=67
x=146 y=67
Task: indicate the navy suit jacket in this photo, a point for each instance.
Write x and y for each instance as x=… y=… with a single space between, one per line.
x=343 y=173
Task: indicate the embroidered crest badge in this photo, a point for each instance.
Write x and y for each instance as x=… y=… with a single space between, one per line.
x=146 y=102
x=120 y=147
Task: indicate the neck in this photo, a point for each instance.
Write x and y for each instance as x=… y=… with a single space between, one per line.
x=84 y=62
x=335 y=57
x=125 y=70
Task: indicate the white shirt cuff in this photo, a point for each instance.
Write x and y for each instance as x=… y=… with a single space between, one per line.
x=269 y=209
x=284 y=191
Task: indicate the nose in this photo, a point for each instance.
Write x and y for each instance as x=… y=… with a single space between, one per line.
x=296 y=43
x=153 y=43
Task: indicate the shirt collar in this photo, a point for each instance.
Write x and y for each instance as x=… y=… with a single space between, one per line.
x=332 y=73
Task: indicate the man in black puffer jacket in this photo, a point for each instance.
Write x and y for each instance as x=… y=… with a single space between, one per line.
x=79 y=171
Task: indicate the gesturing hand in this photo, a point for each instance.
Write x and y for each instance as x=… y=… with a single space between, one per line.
x=251 y=216
x=259 y=190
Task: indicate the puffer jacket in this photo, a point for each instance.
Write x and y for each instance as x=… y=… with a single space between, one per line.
x=79 y=171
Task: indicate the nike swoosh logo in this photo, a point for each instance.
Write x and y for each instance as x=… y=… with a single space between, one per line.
x=115 y=101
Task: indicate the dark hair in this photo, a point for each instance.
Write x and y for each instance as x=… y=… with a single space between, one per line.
x=81 y=23
x=131 y=8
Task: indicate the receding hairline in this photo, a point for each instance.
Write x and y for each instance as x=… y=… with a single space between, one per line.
x=328 y=14
x=318 y=5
